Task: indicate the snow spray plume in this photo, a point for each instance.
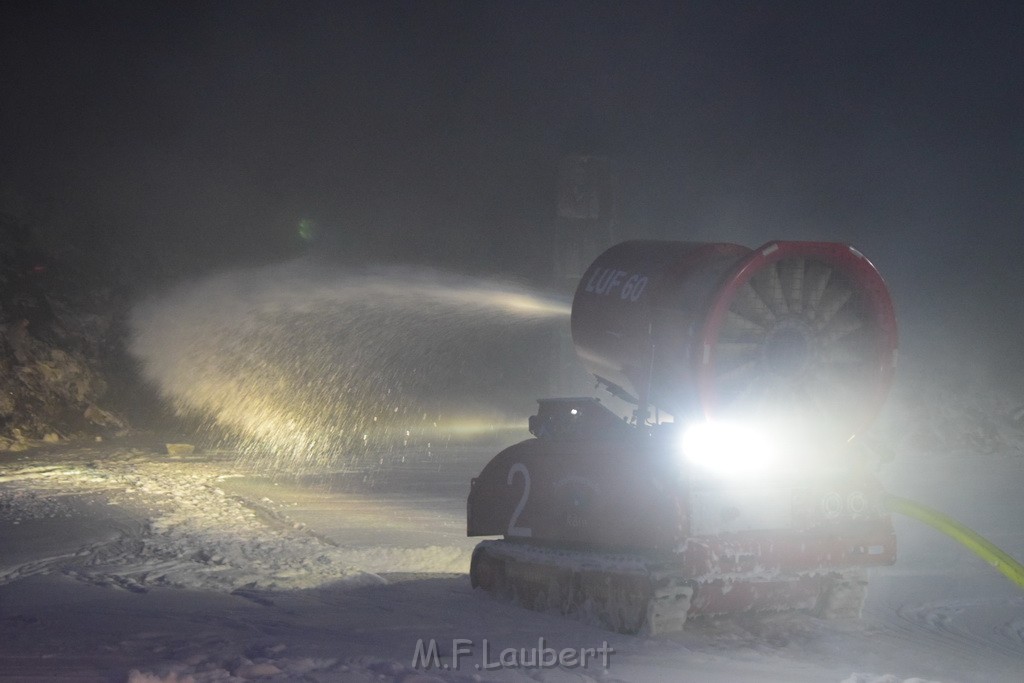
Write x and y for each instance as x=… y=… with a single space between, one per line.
x=304 y=365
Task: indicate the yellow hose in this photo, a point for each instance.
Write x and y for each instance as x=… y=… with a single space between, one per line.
x=1010 y=567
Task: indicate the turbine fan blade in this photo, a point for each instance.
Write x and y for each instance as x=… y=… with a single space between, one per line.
x=768 y=286
x=818 y=277
x=832 y=301
x=738 y=328
x=752 y=307
x=791 y=273
x=842 y=326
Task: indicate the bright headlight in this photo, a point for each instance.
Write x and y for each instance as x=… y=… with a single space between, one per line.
x=728 y=449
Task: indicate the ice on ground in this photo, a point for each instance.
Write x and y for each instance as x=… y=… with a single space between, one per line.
x=195 y=535
x=130 y=564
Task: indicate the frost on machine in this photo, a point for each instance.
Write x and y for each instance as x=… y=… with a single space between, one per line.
x=737 y=485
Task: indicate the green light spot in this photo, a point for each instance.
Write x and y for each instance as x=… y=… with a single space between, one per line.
x=307 y=229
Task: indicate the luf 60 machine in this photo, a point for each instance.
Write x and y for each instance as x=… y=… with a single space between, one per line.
x=736 y=484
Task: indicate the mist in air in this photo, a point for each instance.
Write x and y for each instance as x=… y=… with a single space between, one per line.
x=305 y=367
x=170 y=141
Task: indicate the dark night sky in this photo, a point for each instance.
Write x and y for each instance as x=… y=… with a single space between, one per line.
x=202 y=133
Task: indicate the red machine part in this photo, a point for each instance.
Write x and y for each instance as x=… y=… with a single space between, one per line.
x=793 y=331
x=620 y=523
x=628 y=495
x=607 y=519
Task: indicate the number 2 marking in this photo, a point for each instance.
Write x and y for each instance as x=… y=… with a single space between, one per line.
x=513 y=530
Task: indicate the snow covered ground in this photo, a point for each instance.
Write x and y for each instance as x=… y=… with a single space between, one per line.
x=121 y=562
